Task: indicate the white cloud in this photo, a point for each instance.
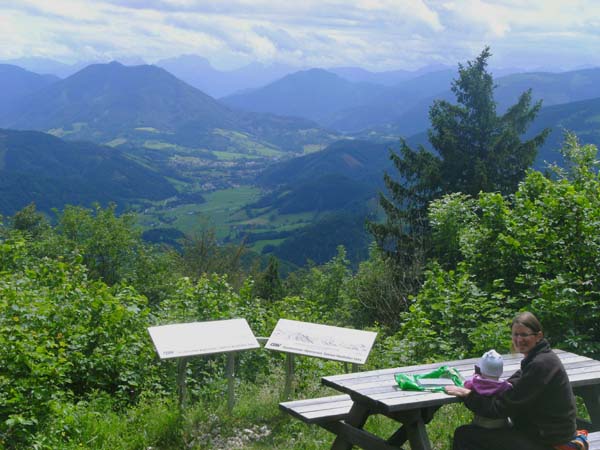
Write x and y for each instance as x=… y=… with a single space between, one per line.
x=378 y=34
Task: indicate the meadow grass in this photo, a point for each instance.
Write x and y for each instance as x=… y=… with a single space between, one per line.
x=116 y=142
x=217 y=210
x=147 y=129
x=259 y=245
x=232 y=156
x=254 y=423
x=161 y=145
x=312 y=148
x=246 y=142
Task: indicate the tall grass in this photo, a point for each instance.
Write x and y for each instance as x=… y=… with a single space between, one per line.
x=155 y=422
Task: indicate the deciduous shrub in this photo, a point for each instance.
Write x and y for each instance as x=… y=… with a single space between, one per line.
x=62 y=336
x=538 y=249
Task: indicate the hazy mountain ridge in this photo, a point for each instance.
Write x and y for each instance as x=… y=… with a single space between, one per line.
x=335 y=102
x=580 y=117
x=385 y=78
x=551 y=88
x=198 y=72
x=112 y=99
x=16 y=83
x=117 y=104
x=388 y=106
x=314 y=94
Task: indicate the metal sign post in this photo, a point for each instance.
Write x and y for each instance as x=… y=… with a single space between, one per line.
x=289 y=376
x=230 y=381
x=203 y=338
x=181 y=382
x=322 y=341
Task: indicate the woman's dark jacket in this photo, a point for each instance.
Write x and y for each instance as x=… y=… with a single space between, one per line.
x=541 y=403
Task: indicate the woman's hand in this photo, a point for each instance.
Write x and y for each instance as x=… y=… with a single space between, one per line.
x=457 y=391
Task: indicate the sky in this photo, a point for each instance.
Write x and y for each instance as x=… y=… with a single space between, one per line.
x=377 y=35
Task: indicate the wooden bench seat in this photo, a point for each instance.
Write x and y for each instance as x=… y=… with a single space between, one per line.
x=594 y=440
x=333 y=408
x=319 y=410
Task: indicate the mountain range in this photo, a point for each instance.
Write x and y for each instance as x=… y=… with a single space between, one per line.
x=169 y=140
x=117 y=104
x=551 y=88
x=339 y=104
x=401 y=109
x=314 y=94
x=199 y=72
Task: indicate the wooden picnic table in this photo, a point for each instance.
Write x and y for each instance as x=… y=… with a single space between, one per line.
x=376 y=392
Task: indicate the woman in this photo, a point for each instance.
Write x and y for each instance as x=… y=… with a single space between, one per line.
x=540 y=405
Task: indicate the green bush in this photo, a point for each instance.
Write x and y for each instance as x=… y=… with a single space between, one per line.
x=538 y=249
x=62 y=336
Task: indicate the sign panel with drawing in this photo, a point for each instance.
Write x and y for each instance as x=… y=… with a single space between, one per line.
x=321 y=341
x=202 y=338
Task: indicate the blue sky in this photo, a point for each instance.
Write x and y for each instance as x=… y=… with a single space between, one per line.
x=374 y=34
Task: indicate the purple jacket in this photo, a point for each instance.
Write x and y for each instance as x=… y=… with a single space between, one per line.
x=487 y=386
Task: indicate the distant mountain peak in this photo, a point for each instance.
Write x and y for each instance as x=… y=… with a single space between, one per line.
x=108 y=99
x=188 y=61
x=312 y=73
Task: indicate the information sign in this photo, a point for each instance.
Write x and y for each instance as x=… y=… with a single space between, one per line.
x=322 y=341
x=202 y=338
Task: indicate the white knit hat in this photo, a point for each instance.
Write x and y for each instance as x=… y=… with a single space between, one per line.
x=491 y=364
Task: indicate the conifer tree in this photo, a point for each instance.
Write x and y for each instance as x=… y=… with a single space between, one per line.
x=268 y=284
x=475 y=150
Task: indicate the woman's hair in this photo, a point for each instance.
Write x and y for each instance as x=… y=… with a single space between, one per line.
x=528 y=320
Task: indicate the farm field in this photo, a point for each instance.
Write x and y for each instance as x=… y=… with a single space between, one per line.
x=228 y=211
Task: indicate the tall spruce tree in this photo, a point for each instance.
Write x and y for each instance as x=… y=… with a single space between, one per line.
x=268 y=284
x=475 y=150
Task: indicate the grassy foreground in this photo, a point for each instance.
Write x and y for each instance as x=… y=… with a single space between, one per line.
x=255 y=423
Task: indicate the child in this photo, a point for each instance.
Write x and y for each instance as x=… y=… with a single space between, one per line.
x=486 y=381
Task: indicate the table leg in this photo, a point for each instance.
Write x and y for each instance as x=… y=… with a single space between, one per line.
x=357 y=417
x=413 y=428
x=417 y=435
x=591 y=398
x=399 y=437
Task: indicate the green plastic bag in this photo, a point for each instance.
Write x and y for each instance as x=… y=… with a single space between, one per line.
x=446 y=375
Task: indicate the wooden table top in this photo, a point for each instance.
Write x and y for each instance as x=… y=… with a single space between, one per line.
x=379 y=390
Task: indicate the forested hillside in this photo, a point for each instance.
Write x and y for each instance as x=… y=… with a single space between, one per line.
x=579 y=117
x=360 y=160
x=37 y=167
